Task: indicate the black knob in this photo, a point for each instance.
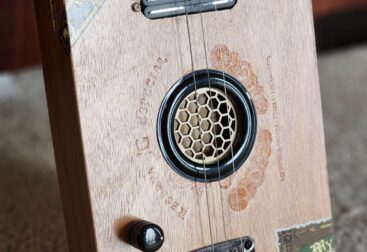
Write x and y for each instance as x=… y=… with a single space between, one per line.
x=146 y=236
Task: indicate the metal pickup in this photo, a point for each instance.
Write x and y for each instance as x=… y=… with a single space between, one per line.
x=244 y=244
x=154 y=9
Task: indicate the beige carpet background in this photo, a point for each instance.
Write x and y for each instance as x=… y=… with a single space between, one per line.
x=30 y=210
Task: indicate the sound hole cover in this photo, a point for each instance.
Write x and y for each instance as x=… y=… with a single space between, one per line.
x=211 y=139
x=206 y=125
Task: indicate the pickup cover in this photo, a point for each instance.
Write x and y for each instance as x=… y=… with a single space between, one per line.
x=154 y=9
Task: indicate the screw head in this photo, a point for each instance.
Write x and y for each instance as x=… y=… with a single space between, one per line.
x=136 y=7
x=248 y=245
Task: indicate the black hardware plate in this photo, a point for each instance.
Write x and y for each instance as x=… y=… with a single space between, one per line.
x=154 y=9
x=243 y=244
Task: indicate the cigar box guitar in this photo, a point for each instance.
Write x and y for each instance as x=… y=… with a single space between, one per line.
x=187 y=125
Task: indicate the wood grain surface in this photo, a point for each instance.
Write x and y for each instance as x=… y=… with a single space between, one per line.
x=104 y=99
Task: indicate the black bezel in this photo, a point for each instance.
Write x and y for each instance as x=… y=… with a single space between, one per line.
x=246 y=115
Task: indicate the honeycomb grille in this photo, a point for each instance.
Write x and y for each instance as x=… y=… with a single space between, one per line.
x=205 y=127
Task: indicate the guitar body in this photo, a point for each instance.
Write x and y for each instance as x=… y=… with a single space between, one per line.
x=112 y=75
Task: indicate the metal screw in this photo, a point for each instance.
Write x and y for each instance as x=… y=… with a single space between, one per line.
x=248 y=245
x=136 y=7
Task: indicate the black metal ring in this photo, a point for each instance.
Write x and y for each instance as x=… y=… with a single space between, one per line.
x=243 y=144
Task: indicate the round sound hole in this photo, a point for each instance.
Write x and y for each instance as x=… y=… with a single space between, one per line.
x=206 y=125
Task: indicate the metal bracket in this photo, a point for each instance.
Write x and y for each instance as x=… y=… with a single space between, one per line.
x=154 y=9
x=244 y=244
